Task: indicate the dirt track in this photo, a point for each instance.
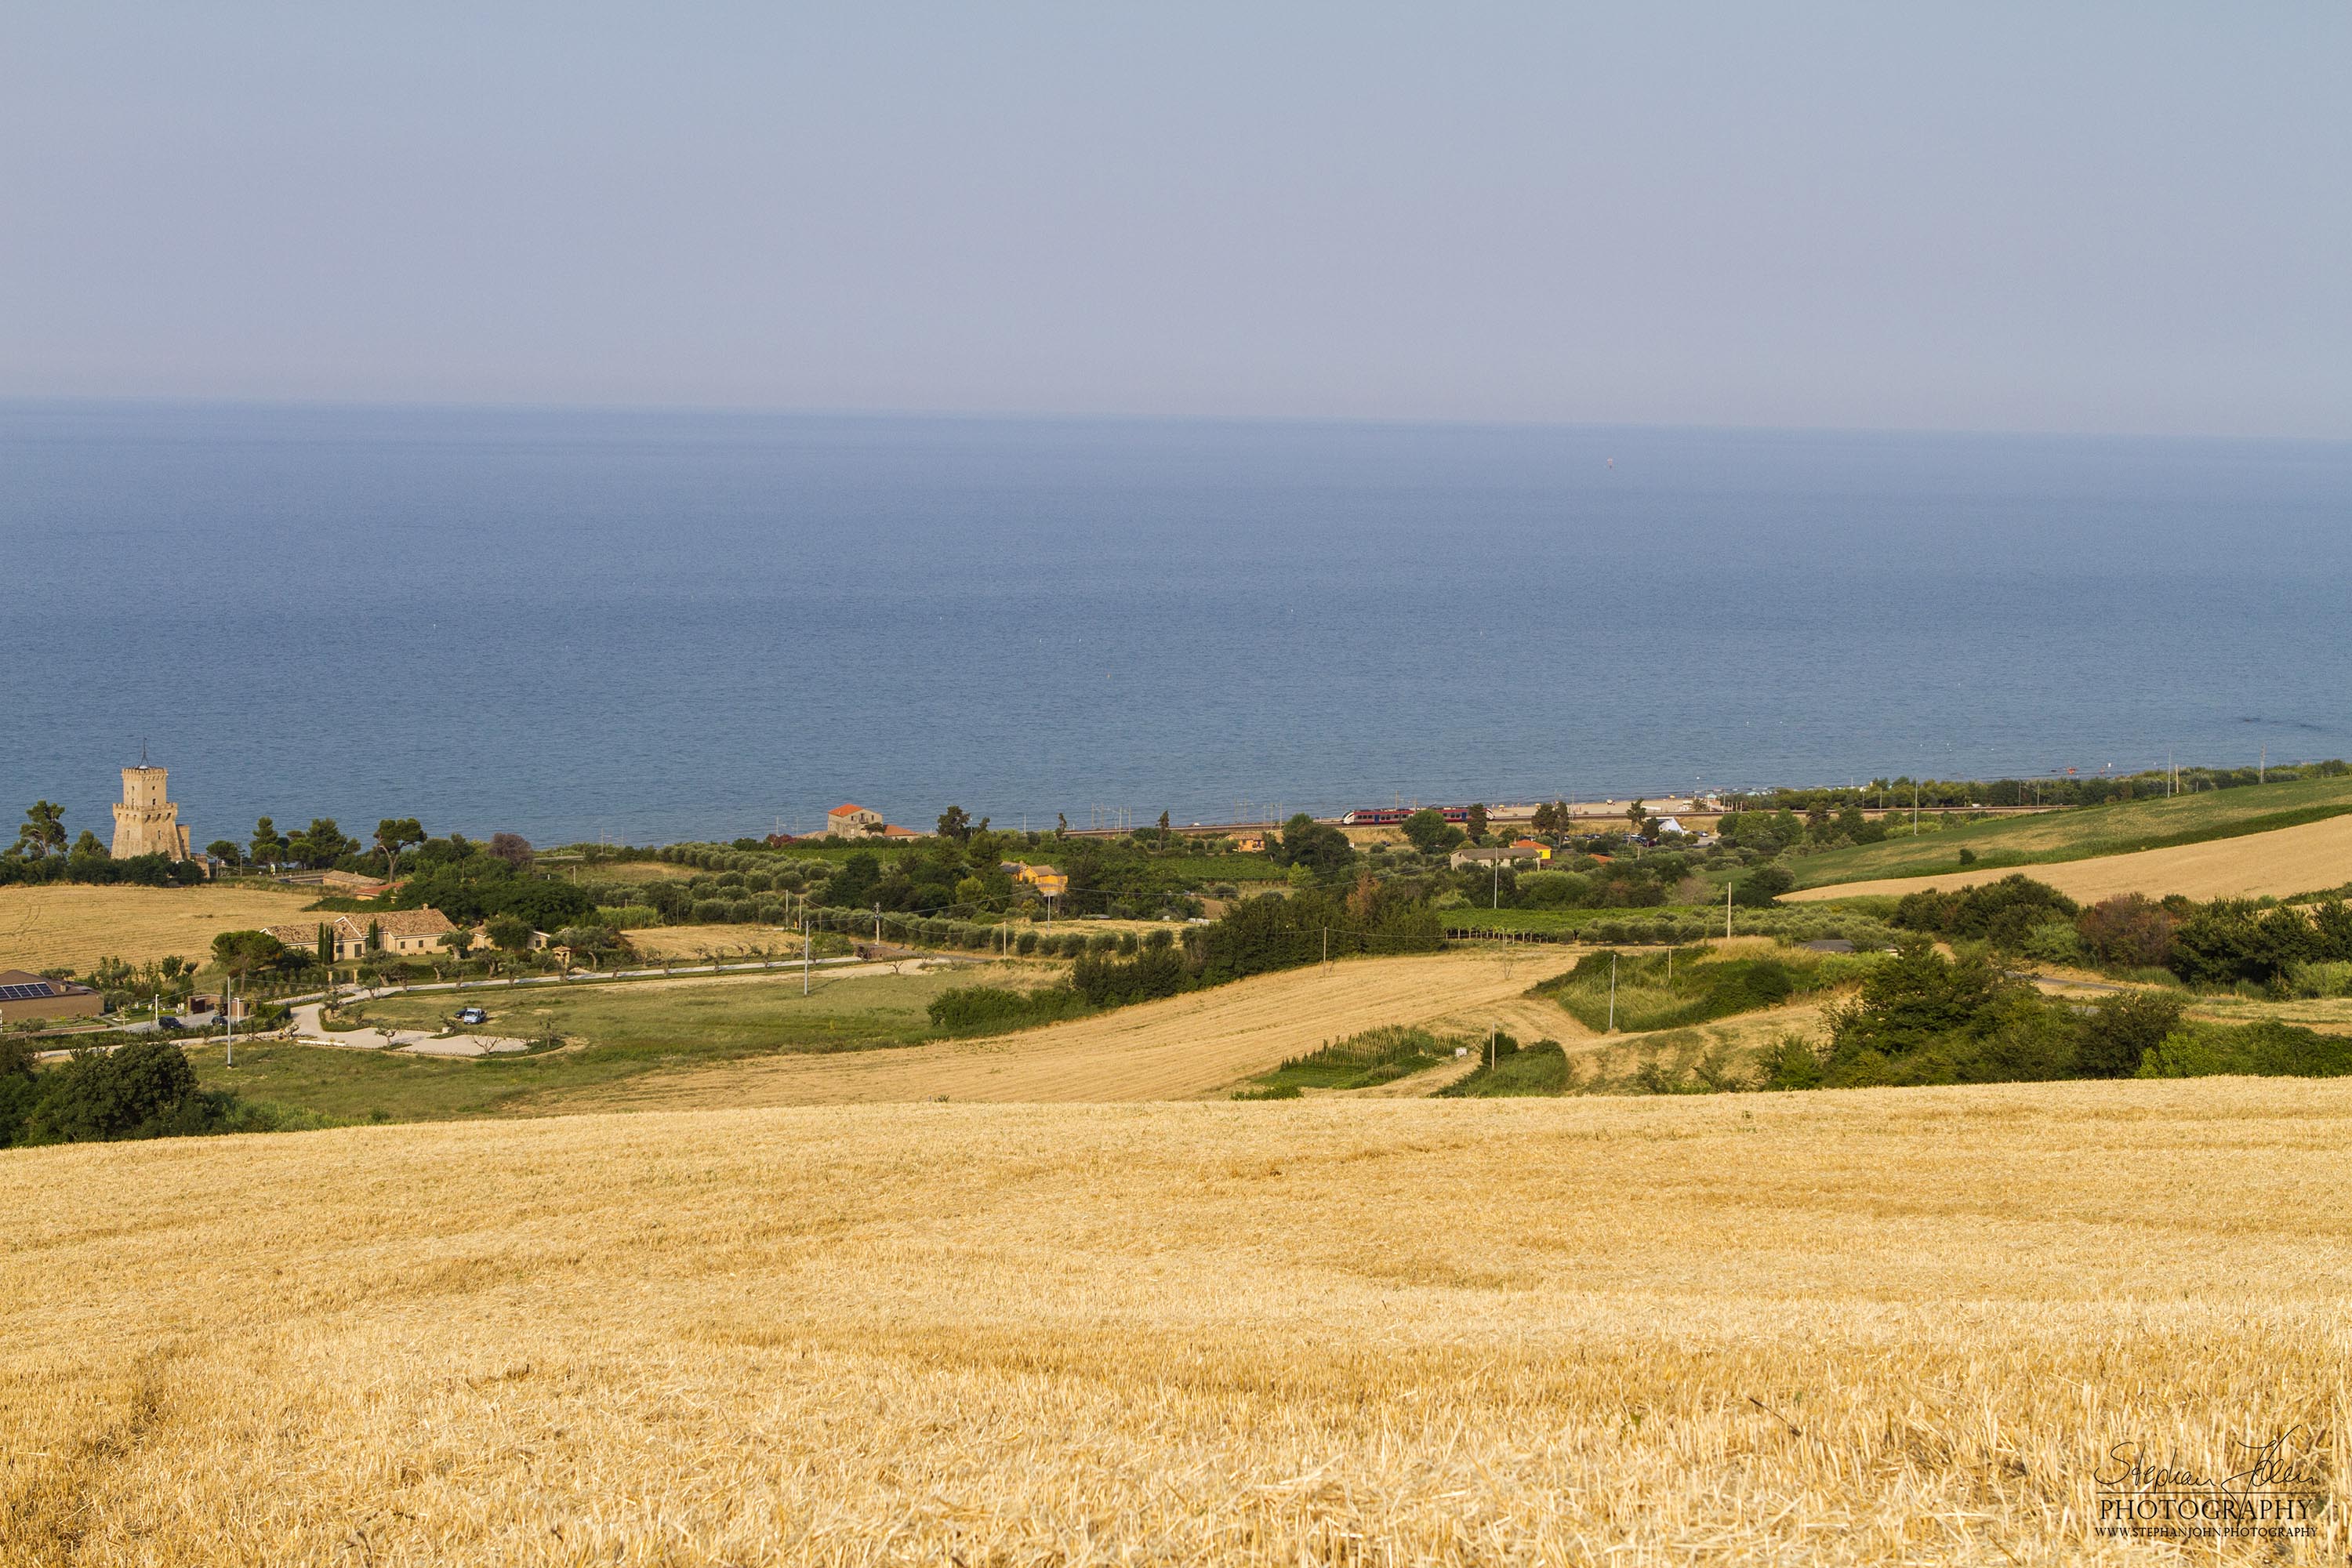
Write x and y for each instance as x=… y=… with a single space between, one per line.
x=1181 y=1049
x=2290 y=860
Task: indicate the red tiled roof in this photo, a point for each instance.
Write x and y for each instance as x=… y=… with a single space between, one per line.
x=845 y=809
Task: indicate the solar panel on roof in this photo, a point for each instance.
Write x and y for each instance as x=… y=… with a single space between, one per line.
x=22 y=993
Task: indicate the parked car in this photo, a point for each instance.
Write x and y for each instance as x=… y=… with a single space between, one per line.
x=472 y=1015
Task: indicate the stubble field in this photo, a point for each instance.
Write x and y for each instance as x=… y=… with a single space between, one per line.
x=41 y=927
x=1886 y=1326
x=2289 y=860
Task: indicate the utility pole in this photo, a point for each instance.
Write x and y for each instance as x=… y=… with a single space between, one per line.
x=1613 y=991
x=805 y=953
x=1494 y=901
x=1727 y=911
x=2263 y=769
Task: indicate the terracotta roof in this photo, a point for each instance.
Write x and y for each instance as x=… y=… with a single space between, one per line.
x=845 y=809
x=351 y=927
x=400 y=923
x=892 y=830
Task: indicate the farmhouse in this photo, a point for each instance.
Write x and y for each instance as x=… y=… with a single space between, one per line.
x=25 y=996
x=850 y=820
x=398 y=932
x=1048 y=881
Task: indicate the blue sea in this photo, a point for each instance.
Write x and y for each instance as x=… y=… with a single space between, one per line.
x=648 y=626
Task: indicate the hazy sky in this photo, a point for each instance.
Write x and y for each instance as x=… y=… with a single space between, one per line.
x=2133 y=217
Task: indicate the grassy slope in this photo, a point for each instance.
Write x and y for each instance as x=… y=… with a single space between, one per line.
x=1423 y=1332
x=2085 y=832
x=1673 y=990
x=1362 y=1061
x=620 y=1031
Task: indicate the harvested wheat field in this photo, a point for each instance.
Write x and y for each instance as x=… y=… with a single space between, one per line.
x=1183 y=1047
x=1871 y=1327
x=2289 y=860
x=64 y=924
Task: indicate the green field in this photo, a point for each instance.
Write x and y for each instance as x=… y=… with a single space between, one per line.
x=1637 y=993
x=1360 y=1061
x=611 y=1032
x=1517 y=1071
x=2085 y=832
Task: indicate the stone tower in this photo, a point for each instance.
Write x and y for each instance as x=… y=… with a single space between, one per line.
x=145 y=823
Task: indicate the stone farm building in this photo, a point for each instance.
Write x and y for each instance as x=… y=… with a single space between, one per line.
x=406 y=934
x=851 y=820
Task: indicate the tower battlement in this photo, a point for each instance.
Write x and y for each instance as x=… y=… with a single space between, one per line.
x=146 y=822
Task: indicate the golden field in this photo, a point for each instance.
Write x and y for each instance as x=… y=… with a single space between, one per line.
x=1201 y=1043
x=2285 y=861
x=1871 y=1327
x=41 y=927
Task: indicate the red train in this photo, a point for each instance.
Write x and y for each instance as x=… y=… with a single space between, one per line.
x=1389 y=816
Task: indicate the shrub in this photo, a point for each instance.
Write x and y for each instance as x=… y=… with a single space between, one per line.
x=2266 y=1049
x=2116 y=1036
x=1109 y=982
x=2229 y=941
x=986 y=1009
x=1538 y=1069
x=2133 y=932
x=1762 y=886
x=1791 y=1064
x=2052 y=942
x=146 y=1089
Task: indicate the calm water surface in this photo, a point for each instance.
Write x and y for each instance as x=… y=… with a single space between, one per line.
x=657 y=626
